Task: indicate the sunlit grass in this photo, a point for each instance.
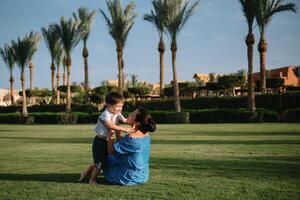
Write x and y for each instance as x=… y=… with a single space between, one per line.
x=216 y=161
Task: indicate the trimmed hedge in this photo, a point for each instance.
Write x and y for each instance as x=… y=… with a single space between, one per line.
x=162 y=117
x=273 y=102
x=50 y=108
x=292 y=115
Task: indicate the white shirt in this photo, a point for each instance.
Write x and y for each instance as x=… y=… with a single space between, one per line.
x=100 y=128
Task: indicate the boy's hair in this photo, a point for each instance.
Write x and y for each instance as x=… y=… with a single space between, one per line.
x=113 y=98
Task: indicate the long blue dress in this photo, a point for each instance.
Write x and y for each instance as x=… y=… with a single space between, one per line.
x=130 y=164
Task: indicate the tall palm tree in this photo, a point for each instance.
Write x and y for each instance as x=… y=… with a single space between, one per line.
x=119 y=25
x=35 y=37
x=23 y=51
x=58 y=61
x=158 y=18
x=70 y=37
x=179 y=11
x=265 y=11
x=52 y=40
x=86 y=19
x=248 y=8
x=7 y=55
x=65 y=69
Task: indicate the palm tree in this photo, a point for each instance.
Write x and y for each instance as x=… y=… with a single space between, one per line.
x=158 y=18
x=23 y=50
x=65 y=70
x=265 y=10
x=35 y=37
x=248 y=8
x=58 y=61
x=7 y=55
x=70 y=37
x=179 y=11
x=86 y=19
x=52 y=40
x=119 y=25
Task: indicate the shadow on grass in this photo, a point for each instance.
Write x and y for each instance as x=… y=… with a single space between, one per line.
x=271 y=166
x=221 y=142
x=52 y=177
x=154 y=141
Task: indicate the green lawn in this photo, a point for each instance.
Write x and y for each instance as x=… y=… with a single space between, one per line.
x=216 y=161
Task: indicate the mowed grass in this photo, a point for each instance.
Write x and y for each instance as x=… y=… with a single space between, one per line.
x=215 y=161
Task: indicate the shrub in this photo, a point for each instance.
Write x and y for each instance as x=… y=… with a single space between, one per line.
x=10 y=118
x=231 y=116
x=162 y=117
x=55 y=118
x=292 y=115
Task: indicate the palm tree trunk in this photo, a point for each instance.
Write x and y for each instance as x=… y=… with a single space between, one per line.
x=85 y=55
x=24 y=108
x=161 y=49
x=31 y=75
x=262 y=48
x=175 y=82
x=11 y=80
x=250 y=40
x=64 y=77
x=57 y=85
x=120 y=74
x=53 y=80
x=68 y=106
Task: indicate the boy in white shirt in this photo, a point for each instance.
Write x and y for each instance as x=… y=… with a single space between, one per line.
x=107 y=121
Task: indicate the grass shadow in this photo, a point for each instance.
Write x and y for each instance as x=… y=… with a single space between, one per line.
x=242 y=167
x=221 y=142
x=52 y=177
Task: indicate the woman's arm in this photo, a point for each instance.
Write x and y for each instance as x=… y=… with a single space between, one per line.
x=119 y=135
x=110 y=143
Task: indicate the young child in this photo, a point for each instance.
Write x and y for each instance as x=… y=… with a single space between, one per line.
x=107 y=121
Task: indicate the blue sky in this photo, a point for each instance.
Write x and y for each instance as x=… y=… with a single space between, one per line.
x=212 y=41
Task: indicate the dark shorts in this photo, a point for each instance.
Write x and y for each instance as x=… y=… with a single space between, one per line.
x=99 y=151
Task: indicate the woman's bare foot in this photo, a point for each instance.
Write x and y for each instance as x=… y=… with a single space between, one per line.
x=82 y=176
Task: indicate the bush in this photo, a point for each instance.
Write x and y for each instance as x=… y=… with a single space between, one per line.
x=10 y=109
x=292 y=115
x=162 y=117
x=62 y=108
x=10 y=118
x=55 y=118
x=88 y=117
x=232 y=116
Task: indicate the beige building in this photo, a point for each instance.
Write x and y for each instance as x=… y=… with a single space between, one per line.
x=5 y=97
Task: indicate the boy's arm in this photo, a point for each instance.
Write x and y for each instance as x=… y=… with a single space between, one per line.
x=110 y=142
x=109 y=125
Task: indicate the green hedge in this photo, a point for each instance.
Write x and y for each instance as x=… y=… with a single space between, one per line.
x=163 y=117
x=50 y=108
x=292 y=115
x=273 y=102
x=55 y=118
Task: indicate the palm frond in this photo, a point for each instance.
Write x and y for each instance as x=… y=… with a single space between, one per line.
x=120 y=22
x=69 y=34
x=86 y=20
x=52 y=39
x=158 y=15
x=249 y=8
x=24 y=48
x=7 y=55
x=266 y=9
x=179 y=11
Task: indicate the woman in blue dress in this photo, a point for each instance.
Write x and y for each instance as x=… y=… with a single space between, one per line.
x=128 y=159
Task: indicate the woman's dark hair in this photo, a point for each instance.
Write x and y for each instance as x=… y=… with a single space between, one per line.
x=147 y=123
